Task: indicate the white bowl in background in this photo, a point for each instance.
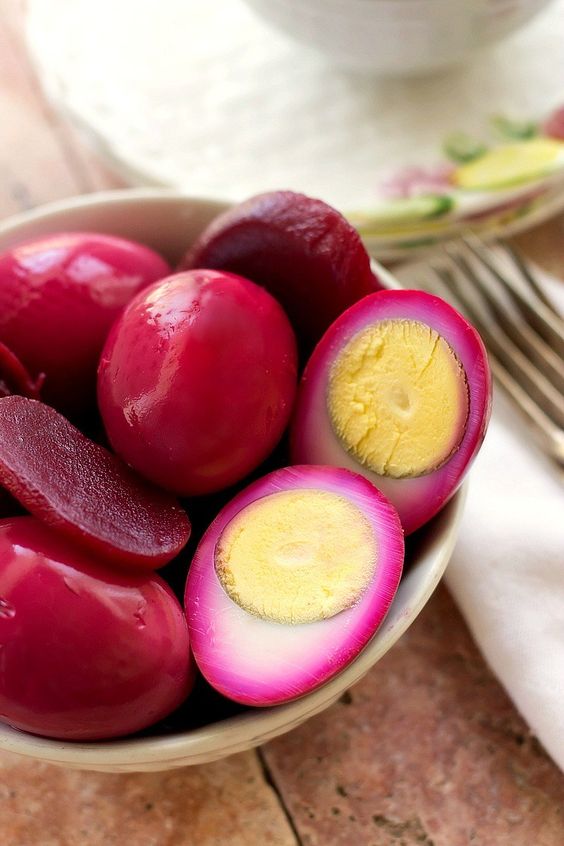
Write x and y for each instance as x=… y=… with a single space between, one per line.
x=169 y=222
x=397 y=37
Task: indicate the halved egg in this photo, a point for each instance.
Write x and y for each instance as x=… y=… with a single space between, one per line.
x=291 y=581
x=398 y=389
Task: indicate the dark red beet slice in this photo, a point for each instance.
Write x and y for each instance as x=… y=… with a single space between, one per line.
x=85 y=491
x=300 y=249
x=14 y=378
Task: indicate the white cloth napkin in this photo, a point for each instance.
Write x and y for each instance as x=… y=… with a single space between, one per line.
x=507 y=572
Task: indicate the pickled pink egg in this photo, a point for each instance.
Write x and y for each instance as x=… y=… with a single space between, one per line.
x=197 y=380
x=291 y=581
x=87 y=652
x=59 y=295
x=398 y=389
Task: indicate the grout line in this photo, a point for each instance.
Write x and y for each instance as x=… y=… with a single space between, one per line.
x=269 y=779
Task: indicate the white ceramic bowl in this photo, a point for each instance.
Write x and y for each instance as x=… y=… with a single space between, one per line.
x=397 y=37
x=169 y=222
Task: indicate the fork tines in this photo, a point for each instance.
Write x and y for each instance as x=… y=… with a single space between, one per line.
x=520 y=326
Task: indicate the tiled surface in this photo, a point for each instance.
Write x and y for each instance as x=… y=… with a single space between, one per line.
x=426 y=751
x=222 y=804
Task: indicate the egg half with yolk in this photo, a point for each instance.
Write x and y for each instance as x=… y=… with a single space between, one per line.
x=291 y=581
x=398 y=389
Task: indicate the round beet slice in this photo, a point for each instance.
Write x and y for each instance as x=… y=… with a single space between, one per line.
x=86 y=492
x=300 y=249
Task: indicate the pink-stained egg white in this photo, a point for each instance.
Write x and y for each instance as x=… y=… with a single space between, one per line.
x=258 y=661
x=59 y=296
x=418 y=495
x=197 y=380
x=88 y=652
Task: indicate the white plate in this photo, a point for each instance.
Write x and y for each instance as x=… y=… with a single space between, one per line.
x=207 y=98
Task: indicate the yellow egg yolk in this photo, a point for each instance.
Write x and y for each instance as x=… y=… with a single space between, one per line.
x=297 y=556
x=398 y=398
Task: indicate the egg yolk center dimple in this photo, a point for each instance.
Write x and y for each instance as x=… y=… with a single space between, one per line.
x=297 y=556
x=398 y=398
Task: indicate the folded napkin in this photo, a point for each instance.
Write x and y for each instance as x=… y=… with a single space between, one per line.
x=507 y=572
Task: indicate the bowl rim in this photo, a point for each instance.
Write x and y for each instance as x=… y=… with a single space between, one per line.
x=251 y=727
x=109 y=196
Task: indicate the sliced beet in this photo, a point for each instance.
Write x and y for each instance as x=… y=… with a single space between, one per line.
x=300 y=249
x=84 y=490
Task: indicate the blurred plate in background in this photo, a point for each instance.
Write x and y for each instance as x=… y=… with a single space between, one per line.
x=206 y=98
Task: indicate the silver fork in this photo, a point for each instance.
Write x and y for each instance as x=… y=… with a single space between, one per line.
x=522 y=329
